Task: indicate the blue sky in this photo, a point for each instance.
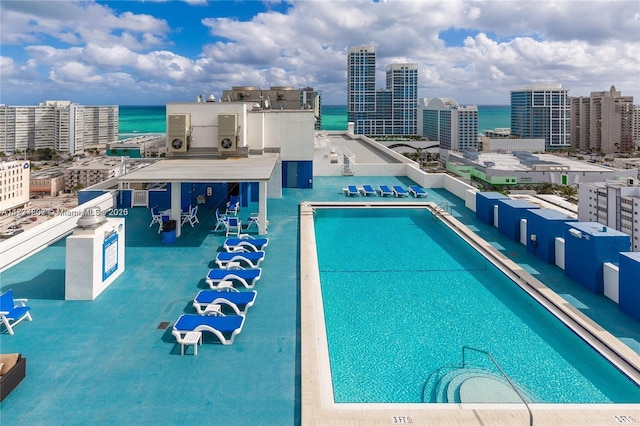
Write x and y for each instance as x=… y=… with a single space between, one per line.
x=154 y=51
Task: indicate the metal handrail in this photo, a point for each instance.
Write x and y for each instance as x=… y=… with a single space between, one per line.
x=503 y=373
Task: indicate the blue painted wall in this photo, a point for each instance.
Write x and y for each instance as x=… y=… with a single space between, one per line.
x=546 y=225
x=510 y=212
x=629 y=284
x=297 y=174
x=88 y=195
x=585 y=256
x=484 y=205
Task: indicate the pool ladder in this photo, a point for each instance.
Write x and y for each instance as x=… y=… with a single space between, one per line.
x=488 y=354
x=443 y=207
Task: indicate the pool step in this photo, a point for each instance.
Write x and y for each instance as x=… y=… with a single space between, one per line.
x=473 y=385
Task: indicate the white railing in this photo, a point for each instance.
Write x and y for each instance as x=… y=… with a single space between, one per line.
x=31 y=241
x=139 y=198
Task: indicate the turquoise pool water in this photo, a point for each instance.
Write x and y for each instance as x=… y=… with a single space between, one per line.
x=402 y=294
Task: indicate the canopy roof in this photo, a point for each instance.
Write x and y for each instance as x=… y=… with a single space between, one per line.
x=246 y=169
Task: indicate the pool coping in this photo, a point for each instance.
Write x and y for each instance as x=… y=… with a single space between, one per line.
x=319 y=407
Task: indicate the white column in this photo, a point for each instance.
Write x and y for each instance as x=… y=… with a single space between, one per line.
x=262 y=208
x=176 y=205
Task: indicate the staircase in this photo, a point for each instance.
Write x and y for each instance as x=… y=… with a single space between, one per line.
x=469 y=385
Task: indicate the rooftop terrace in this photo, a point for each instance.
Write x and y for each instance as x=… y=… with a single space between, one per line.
x=114 y=361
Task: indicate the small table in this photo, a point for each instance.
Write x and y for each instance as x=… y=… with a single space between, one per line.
x=225 y=285
x=191 y=338
x=212 y=309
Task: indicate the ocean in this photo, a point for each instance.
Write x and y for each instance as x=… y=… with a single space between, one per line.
x=151 y=119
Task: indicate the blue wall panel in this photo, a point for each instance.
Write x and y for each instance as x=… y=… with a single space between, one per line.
x=586 y=250
x=546 y=225
x=629 y=281
x=484 y=205
x=510 y=212
x=88 y=195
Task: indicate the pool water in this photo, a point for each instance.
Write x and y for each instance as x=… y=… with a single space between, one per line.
x=403 y=294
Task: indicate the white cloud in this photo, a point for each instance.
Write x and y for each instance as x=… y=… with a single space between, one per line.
x=586 y=45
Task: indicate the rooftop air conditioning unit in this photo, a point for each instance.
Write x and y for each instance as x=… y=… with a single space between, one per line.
x=227 y=132
x=178 y=132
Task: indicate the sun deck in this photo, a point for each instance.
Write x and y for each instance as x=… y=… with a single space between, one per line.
x=114 y=361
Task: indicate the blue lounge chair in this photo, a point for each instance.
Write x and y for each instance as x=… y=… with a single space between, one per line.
x=399 y=191
x=226 y=328
x=234 y=245
x=233 y=205
x=385 y=191
x=367 y=190
x=12 y=311
x=351 y=191
x=246 y=277
x=238 y=301
x=251 y=259
x=417 y=191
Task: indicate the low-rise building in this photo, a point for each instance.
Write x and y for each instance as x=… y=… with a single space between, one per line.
x=498 y=169
x=47 y=181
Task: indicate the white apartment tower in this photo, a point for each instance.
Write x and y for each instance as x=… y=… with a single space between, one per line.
x=60 y=125
x=454 y=126
x=615 y=204
x=602 y=122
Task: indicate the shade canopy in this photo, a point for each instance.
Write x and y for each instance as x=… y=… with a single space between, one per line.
x=246 y=169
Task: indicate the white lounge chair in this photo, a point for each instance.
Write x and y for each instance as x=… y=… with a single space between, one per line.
x=368 y=191
x=12 y=311
x=233 y=205
x=226 y=328
x=234 y=245
x=251 y=259
x=191 y=216
x=385 y=191
x=417 y=191
x=156 y=217
x=351 y=191
x=233 y=226
x=221 y=220
x=246 y=277
x=210 y=302
x=399 y=191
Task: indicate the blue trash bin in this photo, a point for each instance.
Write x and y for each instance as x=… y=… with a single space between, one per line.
x=169 y=232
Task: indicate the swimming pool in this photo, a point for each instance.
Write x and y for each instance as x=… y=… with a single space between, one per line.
x=402 y=294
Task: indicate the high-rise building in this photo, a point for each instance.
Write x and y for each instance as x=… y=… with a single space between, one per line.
x=388 y=111
x=541 y=111
x=453 y=125
x=61 y=125
x=278 y=97
x=602 y=122
x=636 y=125
x=402 y=82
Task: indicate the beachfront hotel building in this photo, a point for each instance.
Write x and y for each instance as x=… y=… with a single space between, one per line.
x=64 y=126
x=602 y=122
x=453 y=125
x=388 y=111
x=279 y=97
x=614 y=203
x=541 y=111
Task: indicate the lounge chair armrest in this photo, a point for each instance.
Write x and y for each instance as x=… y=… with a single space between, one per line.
x=4 y=312
x=20 y=302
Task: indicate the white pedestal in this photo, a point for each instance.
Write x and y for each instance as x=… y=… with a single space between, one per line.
x=95 y=258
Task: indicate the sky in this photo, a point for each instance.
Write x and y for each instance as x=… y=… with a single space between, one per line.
x=153 y=52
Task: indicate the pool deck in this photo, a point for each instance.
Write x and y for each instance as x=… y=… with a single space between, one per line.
x=114 y=361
